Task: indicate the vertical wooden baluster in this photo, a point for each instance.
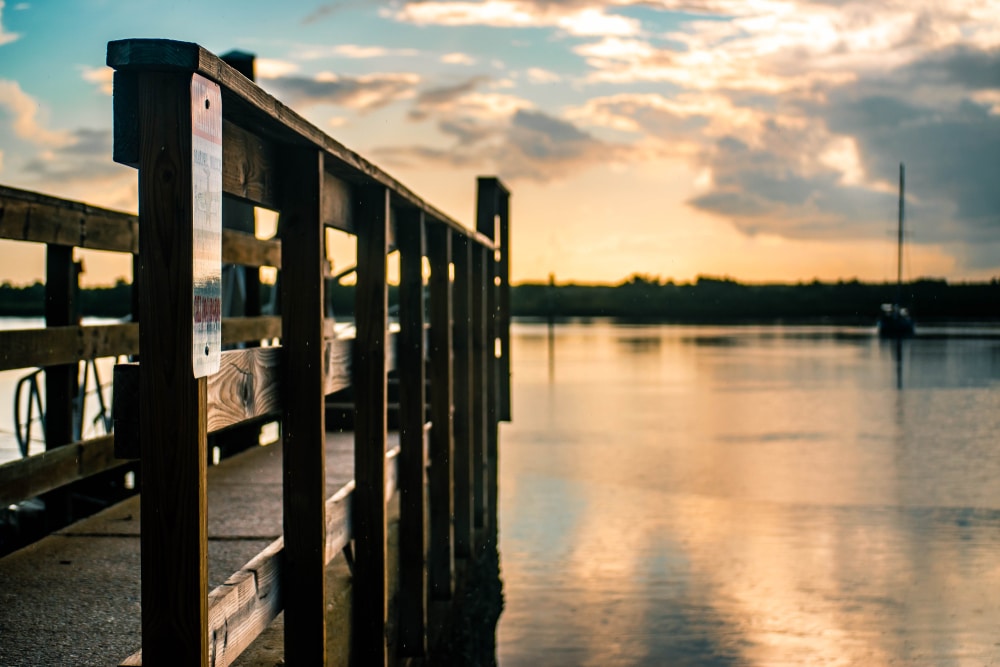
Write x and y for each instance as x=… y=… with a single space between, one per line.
x=303 y=431
x=412 y=461
x=172 y=414
x=441 y=564
x=486 y=212
x=464 y=529
x=481 y=259
x=371 y=314
x=503 y=305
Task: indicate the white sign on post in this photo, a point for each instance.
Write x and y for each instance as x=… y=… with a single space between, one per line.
x=206 y=186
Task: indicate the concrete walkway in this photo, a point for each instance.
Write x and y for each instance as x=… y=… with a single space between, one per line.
x=72 y=599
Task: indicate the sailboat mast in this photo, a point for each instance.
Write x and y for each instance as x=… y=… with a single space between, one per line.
x=899 y=244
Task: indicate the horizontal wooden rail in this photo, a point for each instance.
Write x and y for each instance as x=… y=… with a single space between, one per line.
x=246 y=388
x=242 y=607
x=32 y=476
x=29 y=216
x=247 y=106
x=28 y=348
x=25 y=348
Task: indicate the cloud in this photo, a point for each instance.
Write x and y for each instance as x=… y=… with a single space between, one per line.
x=103 y=77
x=272 y=68
x=8 y=37
x=361 y=93
x=458 y=59
x=540 y=75
x=579 y=19
x=25 y=111
x=443 y=98
x=82 y=169
x=524 y=145
x=351 y=51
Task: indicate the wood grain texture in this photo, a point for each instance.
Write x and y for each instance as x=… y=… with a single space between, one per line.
x=242 y=607
x=249 y=166
x=441 y=557
x=29 y=216
x=370 y=601
x=172 y=415
x=247 y=386
x=464 y=391
x=411 y=239
x=32 y=476
x=247 y=105
x=304 y=430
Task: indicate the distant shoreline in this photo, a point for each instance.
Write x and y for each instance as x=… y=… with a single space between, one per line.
x=645 y=300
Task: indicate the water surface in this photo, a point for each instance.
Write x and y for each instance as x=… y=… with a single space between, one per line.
x=750 y=496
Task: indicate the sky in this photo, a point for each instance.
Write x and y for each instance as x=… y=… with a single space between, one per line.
x=757 y=139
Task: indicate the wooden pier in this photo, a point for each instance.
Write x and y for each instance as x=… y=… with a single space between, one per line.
x=268 y=529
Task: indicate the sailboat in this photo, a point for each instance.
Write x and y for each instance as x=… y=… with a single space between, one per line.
x=895 y=321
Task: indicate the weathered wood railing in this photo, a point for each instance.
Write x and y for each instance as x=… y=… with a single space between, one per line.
x=273 y=158
x=61 y=226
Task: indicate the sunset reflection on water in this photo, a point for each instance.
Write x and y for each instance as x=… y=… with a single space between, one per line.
x=749 y=496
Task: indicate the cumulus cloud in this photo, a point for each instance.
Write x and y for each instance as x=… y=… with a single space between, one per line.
x=350 y=51
x=574 y=18
x=24 y=112
x=102 y=77
x=361 y=93
x=456 y=58
x=527 y=144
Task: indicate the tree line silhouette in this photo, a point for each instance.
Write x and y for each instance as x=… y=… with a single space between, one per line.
x=644 y=298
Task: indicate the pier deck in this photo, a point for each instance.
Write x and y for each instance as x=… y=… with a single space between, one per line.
x=73 y=598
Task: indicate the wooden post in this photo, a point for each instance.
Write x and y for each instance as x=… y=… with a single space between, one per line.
x=412 y=462
x=172 y=413
x=304 y=430
x=464 y=522
x=503 y=306
x=481 y=259
x=486 y=215
x=61 y=382
x=61 y=290
x=441 y=564
x=370 y=604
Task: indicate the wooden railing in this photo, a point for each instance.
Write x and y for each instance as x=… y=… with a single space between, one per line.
x=62 y=226
x=273 y=158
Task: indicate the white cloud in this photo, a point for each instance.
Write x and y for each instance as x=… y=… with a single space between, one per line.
x=458 y=59
x=8 y=37
x=539 y=75
x=102 y=76
x=25 y=111
x=580 y=20
x=272 y=68
x=352 y=51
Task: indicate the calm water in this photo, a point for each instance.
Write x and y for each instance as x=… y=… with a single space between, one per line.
x=750 y=496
